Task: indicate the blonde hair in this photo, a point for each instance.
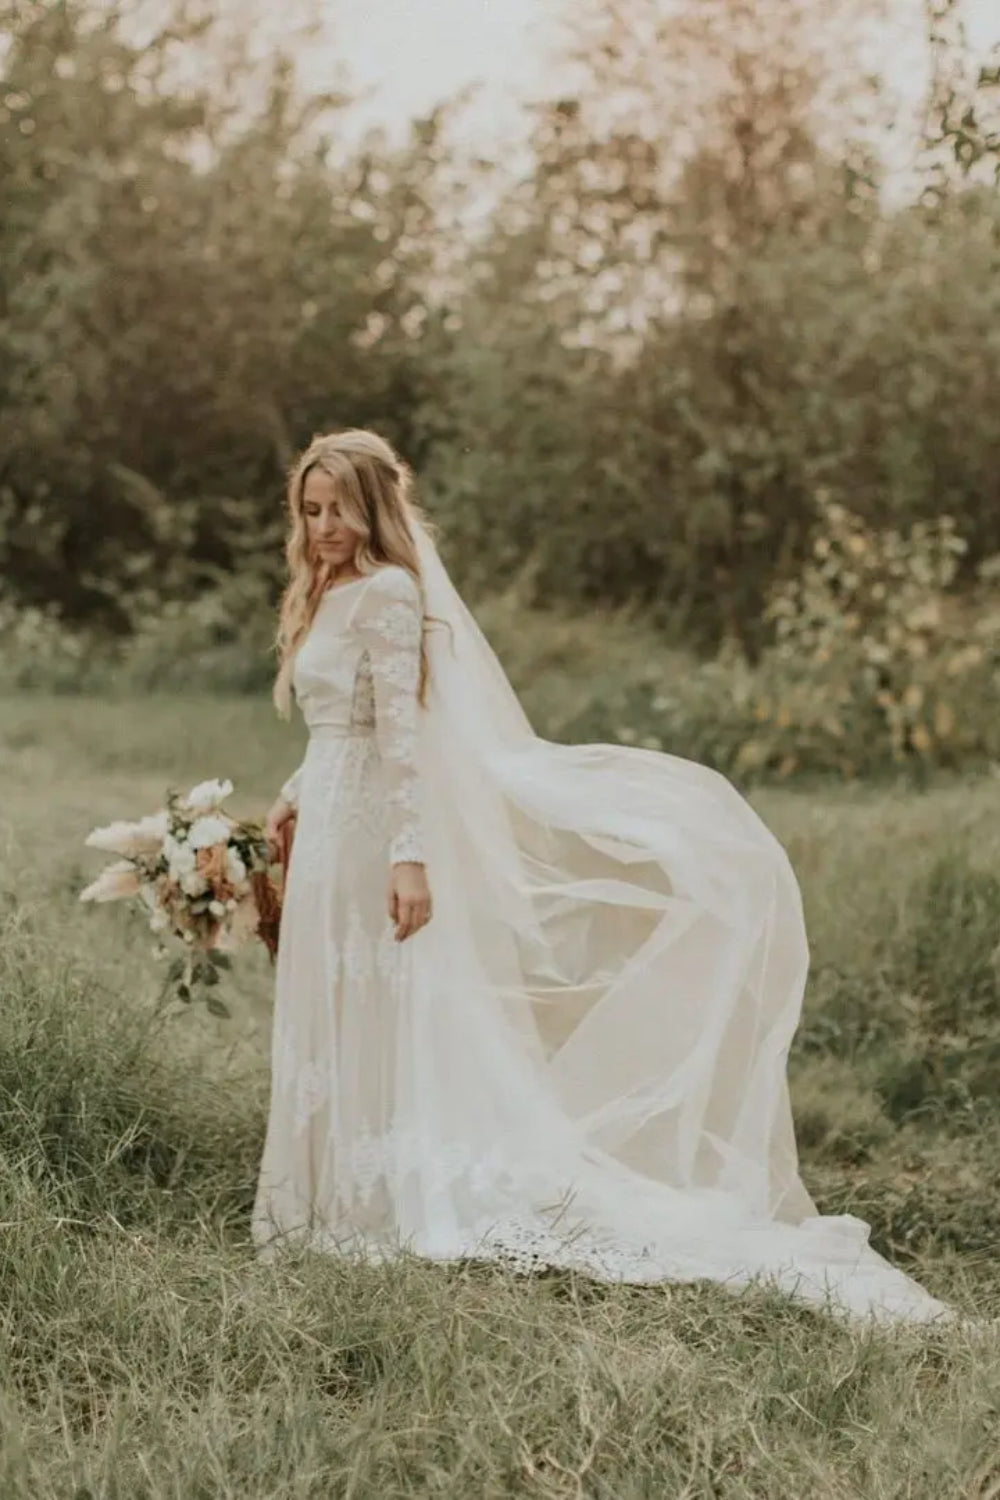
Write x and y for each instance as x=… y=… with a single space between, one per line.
x=375 y=490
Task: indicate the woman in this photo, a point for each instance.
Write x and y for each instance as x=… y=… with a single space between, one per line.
x=533 y=1001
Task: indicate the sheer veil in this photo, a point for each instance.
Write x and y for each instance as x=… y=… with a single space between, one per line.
x=604 y=999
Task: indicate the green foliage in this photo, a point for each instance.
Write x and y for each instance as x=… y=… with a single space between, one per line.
x=665 y=354
x=221 y=641
x=189 y=288
x=952 y=955
x=875 y=662
x=917 y=1036
x=628 y=389
x=142 y=1143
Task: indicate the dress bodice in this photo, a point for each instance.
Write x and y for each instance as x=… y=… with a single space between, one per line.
x=357 y=673
x=332 y=676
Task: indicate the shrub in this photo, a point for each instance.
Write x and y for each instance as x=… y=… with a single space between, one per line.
x=875 y=665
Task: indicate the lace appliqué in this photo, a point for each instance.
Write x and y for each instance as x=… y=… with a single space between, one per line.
x=312 y=1092
x=392 y=633
x=343 y=798
x=371 y=970
x=398 y=624
x=525 y=1229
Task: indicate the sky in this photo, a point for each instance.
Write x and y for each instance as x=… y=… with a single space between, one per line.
x=411 y=53
x=414 y=52
x=398 y=58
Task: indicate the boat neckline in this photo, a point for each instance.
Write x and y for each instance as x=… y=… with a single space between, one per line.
x=337 y=587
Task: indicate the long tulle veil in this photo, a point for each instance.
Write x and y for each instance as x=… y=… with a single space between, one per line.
x=609 y=988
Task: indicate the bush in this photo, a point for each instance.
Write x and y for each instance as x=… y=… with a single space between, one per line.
x=875 y=665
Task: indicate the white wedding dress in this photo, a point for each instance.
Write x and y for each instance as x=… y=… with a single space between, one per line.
x=580 y=1060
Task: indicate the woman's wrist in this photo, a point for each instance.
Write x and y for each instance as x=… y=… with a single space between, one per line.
x=405 y=848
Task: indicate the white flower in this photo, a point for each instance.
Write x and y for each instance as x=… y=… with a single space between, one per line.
x=114 y=882
x=206 y=796
x=145 y=837
x=208 y=830
x=180 y=858
x=236 y=870
x=158 y=921
x=194 y=883
x=217 y=908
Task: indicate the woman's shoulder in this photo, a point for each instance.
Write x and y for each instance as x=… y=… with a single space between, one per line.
x=379 y=600
x=391 y=581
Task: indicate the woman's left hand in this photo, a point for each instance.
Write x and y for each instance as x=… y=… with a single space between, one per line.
x=409 y=896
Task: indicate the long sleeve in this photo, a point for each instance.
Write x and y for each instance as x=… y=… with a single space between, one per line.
x=390 y=622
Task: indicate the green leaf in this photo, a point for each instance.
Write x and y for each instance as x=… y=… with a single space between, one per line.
x=222 y=960
x=215 y=1006
x=176 y=968
x=184 y=993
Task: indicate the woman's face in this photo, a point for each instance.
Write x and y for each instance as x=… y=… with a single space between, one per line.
x=330 y=538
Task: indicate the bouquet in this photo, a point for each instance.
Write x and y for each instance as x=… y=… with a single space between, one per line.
x=201 y=877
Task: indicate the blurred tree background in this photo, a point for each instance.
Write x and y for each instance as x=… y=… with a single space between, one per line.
x=695 y=367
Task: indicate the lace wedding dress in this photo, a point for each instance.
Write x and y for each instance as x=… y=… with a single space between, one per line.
x=580 y=1060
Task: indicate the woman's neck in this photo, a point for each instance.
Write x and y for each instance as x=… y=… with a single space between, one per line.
x=346 y=574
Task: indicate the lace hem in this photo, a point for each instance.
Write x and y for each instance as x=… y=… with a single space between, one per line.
x=525 y=1245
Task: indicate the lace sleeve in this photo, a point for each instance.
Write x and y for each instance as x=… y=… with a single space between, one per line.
x=389 y=620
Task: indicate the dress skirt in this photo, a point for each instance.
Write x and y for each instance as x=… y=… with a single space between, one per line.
x=341 y=979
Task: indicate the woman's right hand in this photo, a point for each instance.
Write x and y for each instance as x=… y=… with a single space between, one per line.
x=281 y=812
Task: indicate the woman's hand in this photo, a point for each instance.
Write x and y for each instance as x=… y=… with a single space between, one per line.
x=281 y=813
x=409 y=898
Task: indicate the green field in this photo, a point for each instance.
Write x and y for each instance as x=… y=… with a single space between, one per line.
x=144 y=1352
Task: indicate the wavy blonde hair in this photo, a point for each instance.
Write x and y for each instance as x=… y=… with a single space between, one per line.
x=375 y=490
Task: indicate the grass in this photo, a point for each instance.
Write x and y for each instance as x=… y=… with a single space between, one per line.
x=145 y=1353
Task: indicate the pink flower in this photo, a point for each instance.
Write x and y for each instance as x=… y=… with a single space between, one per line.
x=144 y=837
x=114 y=882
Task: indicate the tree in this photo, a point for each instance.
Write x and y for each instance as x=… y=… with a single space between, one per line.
x=189 y=288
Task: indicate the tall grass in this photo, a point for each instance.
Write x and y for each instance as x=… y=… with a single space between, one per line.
x=146 y=1352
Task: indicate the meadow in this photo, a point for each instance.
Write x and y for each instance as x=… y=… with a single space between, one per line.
x=145 y=1354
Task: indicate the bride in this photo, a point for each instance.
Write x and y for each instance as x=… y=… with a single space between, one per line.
x=533 y=1002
